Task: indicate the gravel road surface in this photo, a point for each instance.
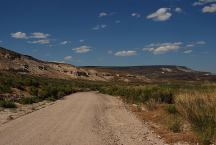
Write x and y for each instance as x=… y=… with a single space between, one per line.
x=86 y=118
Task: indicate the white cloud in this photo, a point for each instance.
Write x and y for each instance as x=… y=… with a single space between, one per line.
x=39 y=35
x=162 y=48
x=193 y=44
x=188 y=51
x=197 y=4
x=161 y=14
x=81 y=41
x=178 y=10
x=99 y=27
x=64 y=42
x=1 y=41
x=209 y=9
x=203 y=2
x=82 y=49
x=200 y=42
x=117 y=21
x=19 y=35
x=110 y=52
x=41 y=41
x=103 y=26
x=126 y=53
x=67 y=58
x=190 y=45
x=137 y=15
x=22 y=35
x=103 y=14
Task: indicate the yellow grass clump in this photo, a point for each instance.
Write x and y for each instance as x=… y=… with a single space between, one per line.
x=199 y=108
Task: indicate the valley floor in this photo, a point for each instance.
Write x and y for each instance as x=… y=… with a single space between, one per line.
x=87 y=118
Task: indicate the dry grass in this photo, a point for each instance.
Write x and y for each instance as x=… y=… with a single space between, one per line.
x=171 y=127
x=199 y=108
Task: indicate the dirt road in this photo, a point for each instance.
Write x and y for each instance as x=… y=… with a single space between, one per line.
x=79 y=119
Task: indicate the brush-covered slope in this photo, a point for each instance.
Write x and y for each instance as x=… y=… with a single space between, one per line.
x=15 y=62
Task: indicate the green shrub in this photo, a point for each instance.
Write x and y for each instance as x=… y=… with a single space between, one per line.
x=29 y=100
x=170 y=108
x=51 y=98
x=61 y=94
x=7 y=104
x=20 y=85
x=140 y=95
x=43 y=93
x=175 y=126
x=163 y=95
x=5 y=88
x=151 y=104
x=33 y=91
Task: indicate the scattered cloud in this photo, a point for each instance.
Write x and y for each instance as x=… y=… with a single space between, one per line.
x=117 y=21
x=193 y=44
x=162 y=48
x=36 y=35
x=209 y=9
x=110 y=52
x=41 y=41
x=203 y=2
x=67 y=58
x=1 y=41
x=39 y=35
x=178 y=10
x=103 y=26
x=188 y=51
x=190 y=45
x=99 y=27
x=102 y=14
x=82 y=49
x=81 y=41
x=161 y=14
x=126 y=53
x=200 y=42
x=19 y=35
x=137 y=15
x=64 y=42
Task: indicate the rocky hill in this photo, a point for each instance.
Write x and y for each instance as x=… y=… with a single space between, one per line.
x=11 y=61
x=23 y=64
x=155 y=73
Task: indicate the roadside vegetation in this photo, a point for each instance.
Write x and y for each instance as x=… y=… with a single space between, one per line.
x=26 y=89
x=200 y=110
x=192 y=102
x=175 y=103
x=7 y=104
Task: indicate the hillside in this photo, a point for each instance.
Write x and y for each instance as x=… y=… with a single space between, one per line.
x=23 y=64
x=11 y=61
x=155 y=73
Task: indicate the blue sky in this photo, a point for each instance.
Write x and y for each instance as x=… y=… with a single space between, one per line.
x=112 y=32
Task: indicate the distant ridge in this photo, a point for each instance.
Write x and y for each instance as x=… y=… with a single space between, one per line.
x=14 y=62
